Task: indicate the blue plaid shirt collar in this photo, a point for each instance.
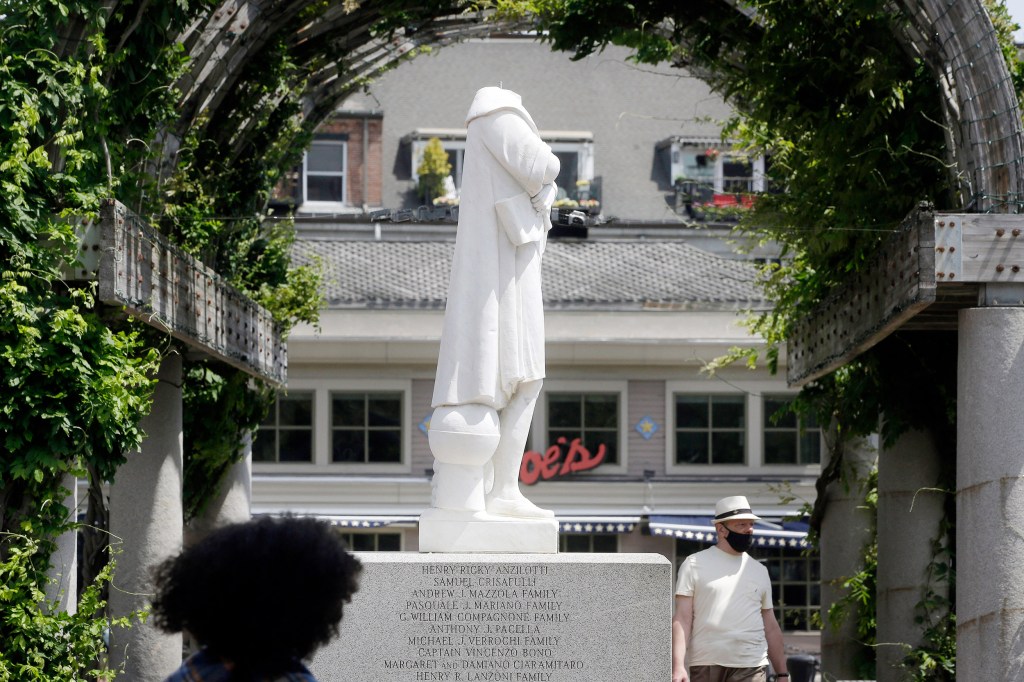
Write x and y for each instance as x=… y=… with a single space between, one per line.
x=204 y=667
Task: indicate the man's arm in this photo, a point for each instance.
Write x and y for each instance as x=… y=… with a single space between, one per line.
x=776 y=647
x=682 y=624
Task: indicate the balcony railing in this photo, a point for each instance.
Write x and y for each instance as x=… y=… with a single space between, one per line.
x=699 y=200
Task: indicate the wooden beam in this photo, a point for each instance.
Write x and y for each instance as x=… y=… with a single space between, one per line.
x=869 y=306
x=168 y=289
x=985 y=248
x=946 y=257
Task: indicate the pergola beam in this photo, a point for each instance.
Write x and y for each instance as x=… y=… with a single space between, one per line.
x=937 y=264
x=161 y=285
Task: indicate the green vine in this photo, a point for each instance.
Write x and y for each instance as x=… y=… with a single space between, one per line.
x=42 y=641
x=221 y=408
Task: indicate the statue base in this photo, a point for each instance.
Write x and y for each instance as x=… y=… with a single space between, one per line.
x=447 y=530
x=516 y=617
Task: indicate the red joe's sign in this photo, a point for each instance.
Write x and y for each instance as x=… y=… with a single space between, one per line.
x=551 y=464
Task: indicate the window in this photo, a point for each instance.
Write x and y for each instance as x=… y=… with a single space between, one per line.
x=323 y=177
x=366 y=427
x=737 y=173
x=286 y=435
x=568 y=171
x=591 y=417
x=789 y=438
x=709 y=172
x=710 y=429
x=373 y=542
x=597 y=542
x=796 y=585
x=455 y=155
x=795 y=577
x=574 y=149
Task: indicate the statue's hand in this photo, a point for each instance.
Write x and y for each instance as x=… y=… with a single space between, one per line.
x=543 y=199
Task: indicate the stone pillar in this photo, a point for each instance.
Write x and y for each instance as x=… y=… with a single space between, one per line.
x=846 y=529
x=990 y=494
x=63 y=591
x=146 y=526
x=233 y=503
x=909 y=513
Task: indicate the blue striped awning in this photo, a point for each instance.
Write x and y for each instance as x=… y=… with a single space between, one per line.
x=582 y=525
x=369 y=521
x=767 y=533
x=613 y=525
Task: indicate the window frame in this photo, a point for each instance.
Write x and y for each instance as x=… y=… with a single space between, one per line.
x=563 y=539
x=797 y=431
x=697 y=148
x=755 y=391
x=322 y=390
x=582 y=144
x=308 y=205
x=346 y=532
x=293 y=392
x=712 y=429
x=365 y=428
x=539 y=428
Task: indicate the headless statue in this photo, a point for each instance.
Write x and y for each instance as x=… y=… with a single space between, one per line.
x=491 y=362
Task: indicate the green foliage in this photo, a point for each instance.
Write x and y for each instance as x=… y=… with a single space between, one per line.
x=86 y=90
x=220 y=408
x=40 y=641
x=432 y=170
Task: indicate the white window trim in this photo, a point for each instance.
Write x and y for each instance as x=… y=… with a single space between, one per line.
x=296 y=467
x=448 y=143
x=540 y=417
x=676 y=165
x=322 y=388
x=325 y=206
x=754 y=448
x=584 y=149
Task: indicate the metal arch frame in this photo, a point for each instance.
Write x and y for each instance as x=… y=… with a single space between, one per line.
x=338 y=50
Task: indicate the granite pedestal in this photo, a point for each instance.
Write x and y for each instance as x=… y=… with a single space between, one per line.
x=511 y=617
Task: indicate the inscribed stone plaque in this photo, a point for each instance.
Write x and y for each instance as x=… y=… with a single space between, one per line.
x=510 y=617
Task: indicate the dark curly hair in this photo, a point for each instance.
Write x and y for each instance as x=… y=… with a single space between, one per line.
x=260 y=594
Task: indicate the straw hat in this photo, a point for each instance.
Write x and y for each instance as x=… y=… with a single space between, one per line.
x=733 y=508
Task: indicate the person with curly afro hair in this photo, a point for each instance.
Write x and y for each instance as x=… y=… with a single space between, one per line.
x=260 y=597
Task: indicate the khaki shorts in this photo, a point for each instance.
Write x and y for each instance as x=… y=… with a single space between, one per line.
x=718 y=673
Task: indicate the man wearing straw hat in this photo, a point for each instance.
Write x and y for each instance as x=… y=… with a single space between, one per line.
x=723 y=613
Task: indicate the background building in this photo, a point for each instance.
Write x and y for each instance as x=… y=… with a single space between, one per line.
x=636 y=307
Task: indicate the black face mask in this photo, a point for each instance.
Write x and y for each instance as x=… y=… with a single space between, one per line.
x=740 y=542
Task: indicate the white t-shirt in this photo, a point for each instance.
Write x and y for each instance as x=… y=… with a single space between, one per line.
x=728 y=595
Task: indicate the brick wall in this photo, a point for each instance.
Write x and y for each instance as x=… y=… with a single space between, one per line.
x=353 y=126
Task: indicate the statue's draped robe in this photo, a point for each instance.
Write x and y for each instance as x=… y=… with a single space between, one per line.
x=493 y=334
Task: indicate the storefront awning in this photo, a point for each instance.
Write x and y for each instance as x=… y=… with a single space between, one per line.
x=613 y=525
x=369 y=521
x=701 y=529
x=566 y=524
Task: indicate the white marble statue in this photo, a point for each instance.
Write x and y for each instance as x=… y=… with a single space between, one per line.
x=491 y=361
